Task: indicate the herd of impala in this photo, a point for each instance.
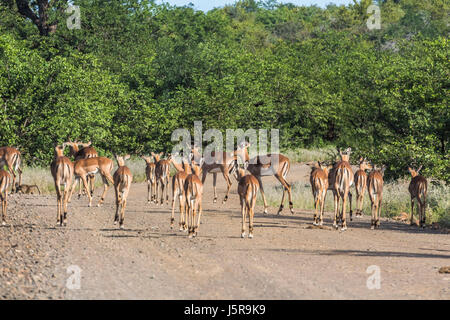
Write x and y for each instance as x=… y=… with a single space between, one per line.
x=187 y=183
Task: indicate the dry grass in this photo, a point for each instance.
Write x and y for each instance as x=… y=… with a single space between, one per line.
x=396 y=200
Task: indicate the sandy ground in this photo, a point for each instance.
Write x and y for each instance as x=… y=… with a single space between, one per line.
x=286 y=259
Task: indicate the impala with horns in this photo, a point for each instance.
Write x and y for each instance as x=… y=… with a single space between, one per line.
x=342 y=177
x=62 y=170
x=10 y=157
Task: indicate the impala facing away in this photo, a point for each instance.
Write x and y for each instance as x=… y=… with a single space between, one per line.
x=151 y=179
x=221 y=162
x=162 y=173
x=178 y=181
x=342 y=176
x=62 y=171
x=375 y=189
x=272 y=165
x=248 y=187
x=193 y=189
x=85 y=167
x=5 y=180
x=122 y=183
x=11 y=158
x=361 y=184
x=86 y=152
x=418 y=189
x=319 y=184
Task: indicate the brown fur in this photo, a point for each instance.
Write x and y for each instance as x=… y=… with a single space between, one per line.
x=62 y=171
x=83 y=167
x=178 y=182
x=162 y=174
x=223 y=161
x=27 y=189
x=5 y=180
x=276 y=165
x=248 y=188
x=12 y=159
x=361 y=184
x=151 y=179
x=86 y=151
x=375 y=189
x=418 y=190
x=343 y=179
x=319 y=184
x=122 y=183
x=193 y=189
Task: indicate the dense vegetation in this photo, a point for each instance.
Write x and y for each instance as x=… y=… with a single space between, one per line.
x=136 y=71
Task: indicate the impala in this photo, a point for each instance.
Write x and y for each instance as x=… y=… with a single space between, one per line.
x=11 y=158
x=193 y=188
x=343 y=179
x=319 y=184
x=85 y=167
x=86 y=151
x=222 y=162
x=418 y=189
x=62 y=171
x=178 y=191
x=162 y=173
x=5 y=180
x=272 y=165
x=361 y=184
x=151 y=178
x=122 y=182
x=375 y=189
x=248 y=188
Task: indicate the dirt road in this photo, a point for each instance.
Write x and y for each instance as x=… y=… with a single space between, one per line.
x=285 y=260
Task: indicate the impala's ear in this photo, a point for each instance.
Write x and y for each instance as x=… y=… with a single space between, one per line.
x=361 y=159
x=349 y=150
x=126 y=157
x=152 y=153
x=383 y=169
x=161 y=154
x=419 y=169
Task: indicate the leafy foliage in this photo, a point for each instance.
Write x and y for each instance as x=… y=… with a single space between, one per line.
x=136 y=71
